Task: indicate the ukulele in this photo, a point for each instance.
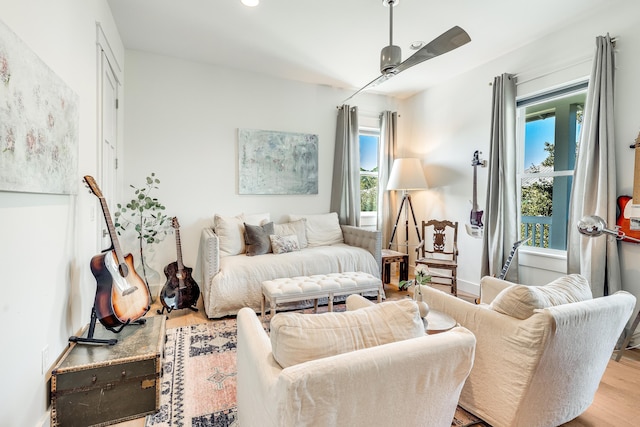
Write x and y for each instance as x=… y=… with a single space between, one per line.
x=628 y=220
x=122 y=296
x=180 y=291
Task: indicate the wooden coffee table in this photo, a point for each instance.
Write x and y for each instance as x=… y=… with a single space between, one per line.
x=438 y=321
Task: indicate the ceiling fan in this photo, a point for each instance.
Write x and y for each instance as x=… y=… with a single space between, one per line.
x=391 y=56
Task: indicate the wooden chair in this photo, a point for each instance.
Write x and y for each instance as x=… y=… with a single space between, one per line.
x=439 y=250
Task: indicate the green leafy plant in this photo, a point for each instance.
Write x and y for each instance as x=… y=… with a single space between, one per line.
x=145 y=215
x=422 y=277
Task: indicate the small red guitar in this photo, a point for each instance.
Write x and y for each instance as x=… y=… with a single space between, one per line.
x=180 y=291
x=628 y=220
x=122 y=297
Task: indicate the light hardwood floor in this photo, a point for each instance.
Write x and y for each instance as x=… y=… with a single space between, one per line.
x=615 y=403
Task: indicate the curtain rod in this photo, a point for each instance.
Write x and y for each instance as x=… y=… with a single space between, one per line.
x=573 y=63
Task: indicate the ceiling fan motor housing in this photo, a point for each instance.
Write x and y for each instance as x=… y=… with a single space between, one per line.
x=390 y=58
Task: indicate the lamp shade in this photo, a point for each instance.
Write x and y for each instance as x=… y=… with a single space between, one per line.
x=407 y=174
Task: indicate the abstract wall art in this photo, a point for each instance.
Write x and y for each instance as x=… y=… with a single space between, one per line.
x=38 y=123
x=272 y=162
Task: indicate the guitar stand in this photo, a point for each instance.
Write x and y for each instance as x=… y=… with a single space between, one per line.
x=169 y=310
x=89 y=339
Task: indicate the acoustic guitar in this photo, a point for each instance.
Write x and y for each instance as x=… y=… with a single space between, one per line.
x=180 y=290
x=122 y=297
x=628 y=220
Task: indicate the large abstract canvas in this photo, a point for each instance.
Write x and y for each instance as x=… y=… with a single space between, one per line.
x=277 y=162
x=38 y=123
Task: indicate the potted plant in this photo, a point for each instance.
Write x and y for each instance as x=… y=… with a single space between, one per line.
x=422 y=277
x=144 y=215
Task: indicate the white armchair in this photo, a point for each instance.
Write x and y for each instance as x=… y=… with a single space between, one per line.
x=412 y=382
x=543 y=366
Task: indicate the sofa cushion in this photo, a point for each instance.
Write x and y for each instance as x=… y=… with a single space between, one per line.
x=230 y=232
x=284 y=244
x=297 y=337
x=322 y=229
x=520 y=301
x=294 y=227
x=256 y=238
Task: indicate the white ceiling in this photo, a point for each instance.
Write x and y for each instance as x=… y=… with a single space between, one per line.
x=338 y=42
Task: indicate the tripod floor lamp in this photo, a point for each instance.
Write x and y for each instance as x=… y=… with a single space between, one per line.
x=406 y=175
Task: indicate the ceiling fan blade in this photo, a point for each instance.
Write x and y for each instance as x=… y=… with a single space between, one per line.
x=446 y=42
x=380 y=79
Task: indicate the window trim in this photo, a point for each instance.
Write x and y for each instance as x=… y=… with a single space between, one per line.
x=522 y=102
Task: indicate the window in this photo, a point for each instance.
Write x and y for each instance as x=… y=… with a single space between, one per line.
x=548 y=136
x=369 y=139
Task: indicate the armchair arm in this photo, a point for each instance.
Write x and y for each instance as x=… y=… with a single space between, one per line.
x=371 y=240
x=257 y=372
x=208 y=261
x=490 y=287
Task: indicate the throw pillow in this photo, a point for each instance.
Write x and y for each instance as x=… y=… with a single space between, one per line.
x=256 y=238
x=322 y=229
x=298 y=338
x=230 y=232
x=520 y=301
x=284 y=244
x=294 y=227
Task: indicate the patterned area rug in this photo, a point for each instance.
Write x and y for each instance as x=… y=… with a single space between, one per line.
x=198 y=384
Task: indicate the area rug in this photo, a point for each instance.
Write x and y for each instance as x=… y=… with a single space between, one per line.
x=198 y=383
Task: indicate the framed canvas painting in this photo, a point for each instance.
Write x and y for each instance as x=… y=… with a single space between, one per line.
x=272 y=162
x=38 y=123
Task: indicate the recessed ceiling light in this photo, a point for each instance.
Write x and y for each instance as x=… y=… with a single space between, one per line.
x=250 y=3
x=416 y=45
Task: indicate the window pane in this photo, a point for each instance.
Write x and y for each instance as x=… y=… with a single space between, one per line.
x=550 y=141
x=368 y=172
x=539 y=143
x=544 y=210
x=368 y=193
x=369 y=153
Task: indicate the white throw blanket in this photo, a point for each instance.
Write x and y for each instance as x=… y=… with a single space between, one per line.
x=238 y=283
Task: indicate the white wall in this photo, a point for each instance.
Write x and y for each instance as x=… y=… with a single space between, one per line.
x=48 y=240
x=181 y=122
x=446 y=124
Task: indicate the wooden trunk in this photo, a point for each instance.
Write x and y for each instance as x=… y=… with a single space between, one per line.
x=103 y=385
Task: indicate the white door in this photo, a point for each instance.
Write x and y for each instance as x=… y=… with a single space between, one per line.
x=108 y=142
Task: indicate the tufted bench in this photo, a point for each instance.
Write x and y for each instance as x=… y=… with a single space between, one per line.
x=318 y=286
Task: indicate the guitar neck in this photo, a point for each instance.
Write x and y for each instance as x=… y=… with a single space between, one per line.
x=636 y=173
x=475 y=190
x=179 y=251
x=112 y=231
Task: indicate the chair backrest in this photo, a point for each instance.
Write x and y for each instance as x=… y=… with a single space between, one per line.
x=439 y=237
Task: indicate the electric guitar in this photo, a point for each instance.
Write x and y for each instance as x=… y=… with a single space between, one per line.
x=628 y=220
x=507 y=264
x=180 y=291
x=476 y=214
x=122 y=297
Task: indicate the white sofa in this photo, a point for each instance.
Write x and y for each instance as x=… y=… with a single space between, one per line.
x=541 y=351
x=374 y=366
x=230 y=279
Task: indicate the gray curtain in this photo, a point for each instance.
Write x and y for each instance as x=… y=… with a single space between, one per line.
x=345 y=188
x=500 y=214
x=594 y=182
x=387 y=200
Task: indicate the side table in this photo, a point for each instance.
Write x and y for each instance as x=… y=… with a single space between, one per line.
x=439 y=322
x=389 y=257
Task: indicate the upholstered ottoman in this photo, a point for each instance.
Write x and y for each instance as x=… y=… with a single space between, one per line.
x=318 y=286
